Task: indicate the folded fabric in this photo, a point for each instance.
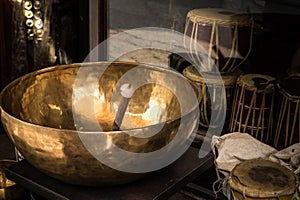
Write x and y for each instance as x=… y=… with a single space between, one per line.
x=234 y=148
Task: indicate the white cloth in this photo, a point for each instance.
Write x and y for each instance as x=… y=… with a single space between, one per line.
x=289 y=157
x=233 y=148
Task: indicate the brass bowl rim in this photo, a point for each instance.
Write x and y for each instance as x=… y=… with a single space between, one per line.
x=8 y=160
x=12 y=162
x=85 y=64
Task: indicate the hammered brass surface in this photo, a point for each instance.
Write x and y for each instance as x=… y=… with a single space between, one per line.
x=38 y=110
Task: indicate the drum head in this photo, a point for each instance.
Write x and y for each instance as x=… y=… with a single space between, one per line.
x=220 y=16
x=293 y=72
x=290 y=86
x=262 y=179
x=228 y=79
x=248 y=81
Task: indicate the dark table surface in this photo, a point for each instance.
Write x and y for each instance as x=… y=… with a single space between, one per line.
x=162 y=184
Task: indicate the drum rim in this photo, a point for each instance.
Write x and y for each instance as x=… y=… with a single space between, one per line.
x=238 y=18
x=241 y=188
x=228 y=79
x=293 y=72
x=283 y=90
x=241 y=81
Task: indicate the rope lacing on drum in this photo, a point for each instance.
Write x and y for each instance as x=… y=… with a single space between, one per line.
x=232 y=21
x=215 y=35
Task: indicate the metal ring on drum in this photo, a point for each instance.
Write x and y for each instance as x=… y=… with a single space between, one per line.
x=226 y=35
x=252 y=110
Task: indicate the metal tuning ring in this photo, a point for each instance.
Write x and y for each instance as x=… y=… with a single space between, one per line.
x=30 y=34
x=27 y=5
x=29 y=23
x=39 y=33
x=37 y=5
x=28 y=13
x=38 y=15
x=38 y=24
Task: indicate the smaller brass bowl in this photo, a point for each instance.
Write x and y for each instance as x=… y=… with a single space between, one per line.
x=9 y=190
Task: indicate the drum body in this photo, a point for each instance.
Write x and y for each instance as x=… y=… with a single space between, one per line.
x=252 y=110
x=287 y=126
x=216 y=85
x=225 y=35
x=262 y=180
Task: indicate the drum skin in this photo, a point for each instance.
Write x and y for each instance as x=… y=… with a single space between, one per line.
x=259 y=179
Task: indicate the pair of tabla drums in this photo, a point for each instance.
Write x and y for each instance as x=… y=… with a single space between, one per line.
x=226 y=36
x=267 y=108
x=247 y=108
x=262 y=179
x=258 y=104
x=222 y=35
x=217 y=40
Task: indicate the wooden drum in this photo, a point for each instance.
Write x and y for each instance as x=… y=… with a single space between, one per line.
x=216 y=85
x=252 y=110
x=287 y=124
x=262 y=180
x=226 y=36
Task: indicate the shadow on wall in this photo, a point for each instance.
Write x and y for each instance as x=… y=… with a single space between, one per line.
x=141 y=13
x=172 y=13
x=276 y=34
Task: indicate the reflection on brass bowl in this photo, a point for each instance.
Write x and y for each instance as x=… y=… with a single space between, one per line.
x=9 y=190
x=50 y=113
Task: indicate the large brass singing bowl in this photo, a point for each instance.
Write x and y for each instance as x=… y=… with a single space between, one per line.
x=38 y=111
